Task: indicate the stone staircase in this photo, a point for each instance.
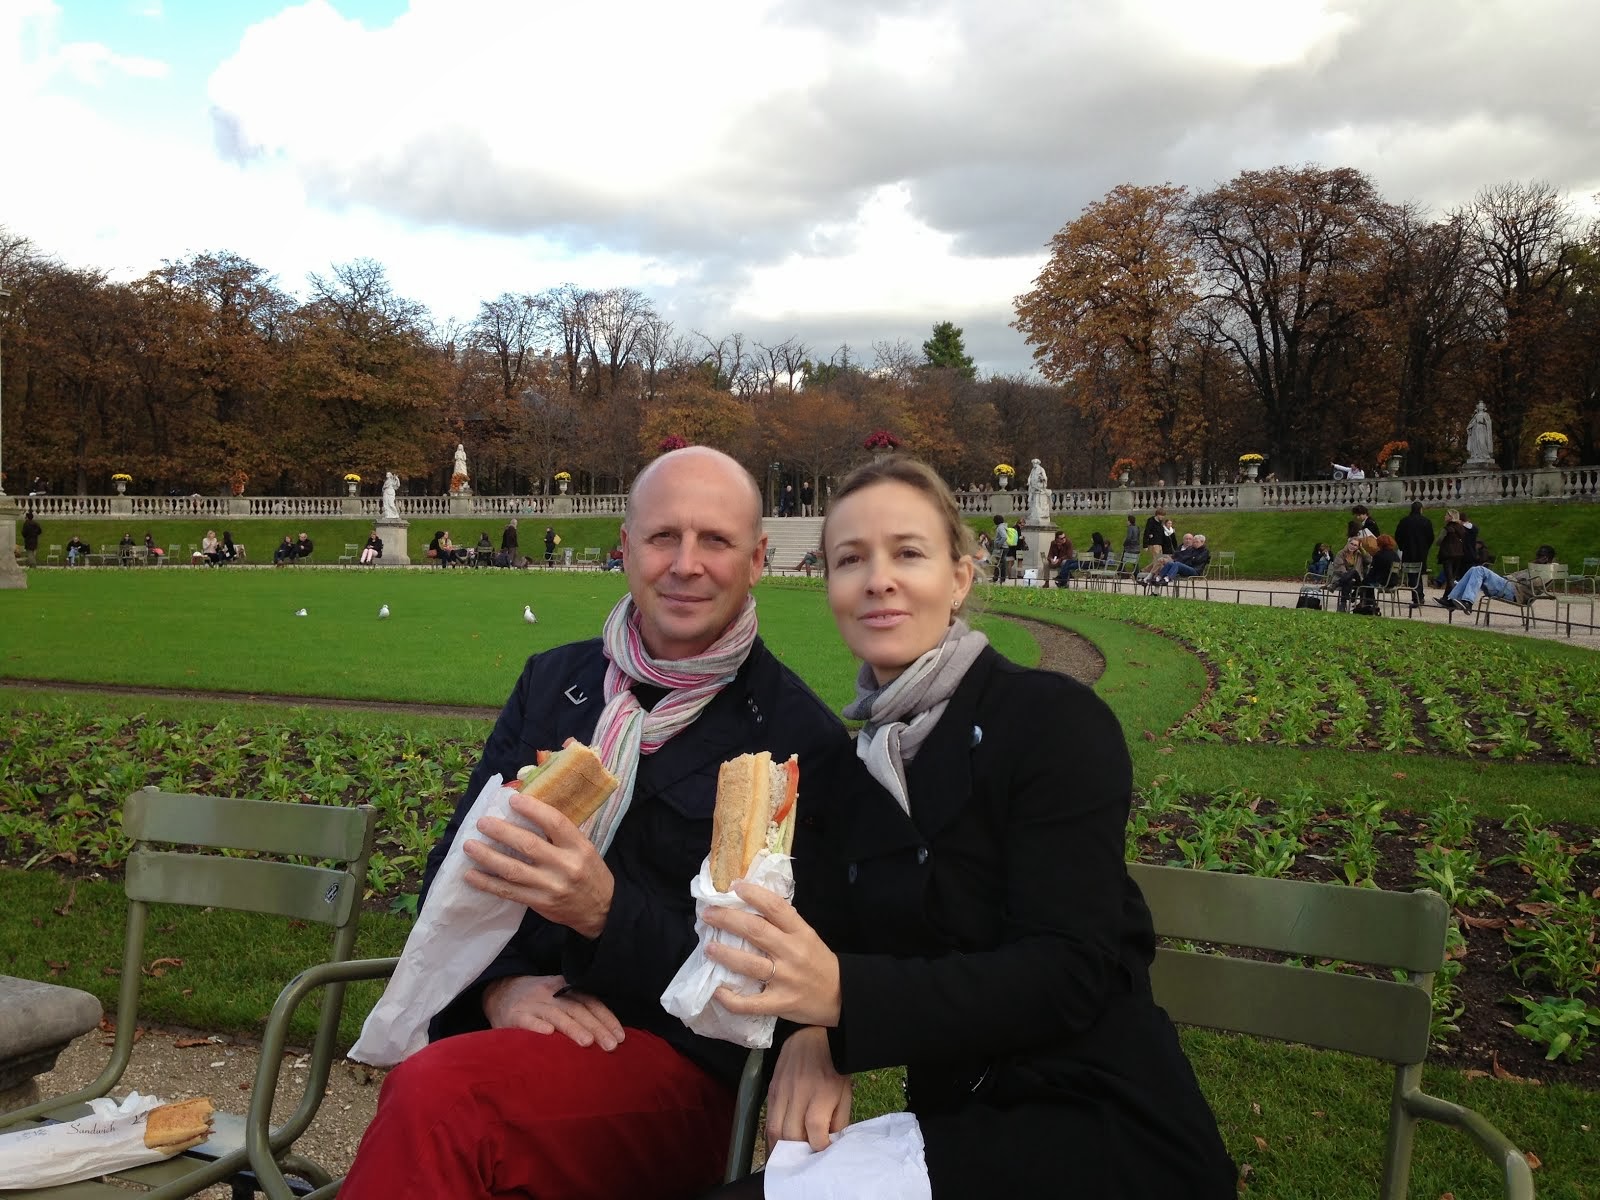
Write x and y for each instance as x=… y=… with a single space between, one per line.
x=788 y=538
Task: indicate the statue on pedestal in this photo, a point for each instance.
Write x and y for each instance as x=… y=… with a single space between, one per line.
x=458 y=473
x=1038 y=495
x=1480 y=438
x=391 y=482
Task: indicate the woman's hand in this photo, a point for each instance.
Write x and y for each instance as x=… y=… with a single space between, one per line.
x=545 y=1004
x=808 y=1099
x=800 y=973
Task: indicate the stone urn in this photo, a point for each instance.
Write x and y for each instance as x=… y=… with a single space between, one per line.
x=1123 y=478
x=1394 y=464
x=351 y=488
x=1002 y=480
x=1550 y=453
x=1252 y=470
x=121 y=485
x=561 y=486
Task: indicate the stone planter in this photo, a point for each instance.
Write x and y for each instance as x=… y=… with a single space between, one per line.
x=121 y=487
x=1252 y=470
x=350 y=488
x=1123 y=478
x=1394 y=464
x=1550 y=453
x=1002 y=481
x=561 y=487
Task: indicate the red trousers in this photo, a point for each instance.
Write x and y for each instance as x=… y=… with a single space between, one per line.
x=507 y=1112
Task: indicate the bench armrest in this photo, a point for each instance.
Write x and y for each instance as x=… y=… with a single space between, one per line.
x=1514 y=1169
x=258 y=1137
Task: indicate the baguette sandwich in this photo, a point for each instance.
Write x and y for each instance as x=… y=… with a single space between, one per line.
x=755 y=809
x=172 y=1128
x=571 y=780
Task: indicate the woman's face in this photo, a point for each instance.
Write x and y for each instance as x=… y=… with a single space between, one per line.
x=892 y=584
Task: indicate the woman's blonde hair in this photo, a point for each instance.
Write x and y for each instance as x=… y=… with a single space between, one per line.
x=923 y=478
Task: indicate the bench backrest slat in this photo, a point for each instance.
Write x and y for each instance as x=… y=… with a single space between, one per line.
x=292 y=890
x=1315 y=920
x=265 y=826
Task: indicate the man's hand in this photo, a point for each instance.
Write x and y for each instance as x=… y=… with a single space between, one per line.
x=808 y=1099
x=544 y=1004
x=561 y=876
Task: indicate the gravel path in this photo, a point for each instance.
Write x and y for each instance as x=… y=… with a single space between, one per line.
x=223 y=1068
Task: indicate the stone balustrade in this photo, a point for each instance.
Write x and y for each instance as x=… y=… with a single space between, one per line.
x=1435 y=491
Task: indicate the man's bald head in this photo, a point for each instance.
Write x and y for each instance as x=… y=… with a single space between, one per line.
x=691 y=461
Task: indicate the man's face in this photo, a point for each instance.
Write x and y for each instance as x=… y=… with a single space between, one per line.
x=691 y=552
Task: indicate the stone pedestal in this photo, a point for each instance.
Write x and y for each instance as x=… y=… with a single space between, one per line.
x=121 y=506
x=393 y=532
x=1546 y=481
x=1248 y=497
x=1479 y=466
x=561 y=505
x=461 y=503
x=1390 y=491
x=11 y=575
x=1002 y=504
x=1120 y=500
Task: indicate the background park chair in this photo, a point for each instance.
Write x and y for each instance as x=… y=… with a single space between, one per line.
x=1224 y=564
x=350 y=555
x=282 y=839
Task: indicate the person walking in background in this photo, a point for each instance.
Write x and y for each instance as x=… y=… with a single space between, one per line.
x=1156 y=535
x=30 y=539
x=1130 y=537
x=808 y=500
x=1000 y=547
x=1414 y=536
x=508 y=544
x=786 y=501
x=550 y=541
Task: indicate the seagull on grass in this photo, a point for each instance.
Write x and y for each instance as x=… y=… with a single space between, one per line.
x=527 y=615
x=383 y=613
x=299 y=612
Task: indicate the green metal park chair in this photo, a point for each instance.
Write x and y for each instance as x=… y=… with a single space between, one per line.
x=1373 y=1017
x=304 y=863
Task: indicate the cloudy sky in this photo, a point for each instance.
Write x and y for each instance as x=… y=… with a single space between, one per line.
x=842 y=170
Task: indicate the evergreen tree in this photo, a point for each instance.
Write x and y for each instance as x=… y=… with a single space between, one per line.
x=946 y=349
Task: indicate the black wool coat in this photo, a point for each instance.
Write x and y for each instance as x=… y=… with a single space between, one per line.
x=993 y=942
x=662 y=840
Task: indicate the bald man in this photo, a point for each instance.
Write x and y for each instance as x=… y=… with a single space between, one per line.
x=557 y=1073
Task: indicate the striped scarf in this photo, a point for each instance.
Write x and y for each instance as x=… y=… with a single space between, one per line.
x=626 y=730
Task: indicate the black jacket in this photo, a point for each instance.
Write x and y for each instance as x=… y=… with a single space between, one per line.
x=662 y=840
x=994 y=943
x=1414 y=536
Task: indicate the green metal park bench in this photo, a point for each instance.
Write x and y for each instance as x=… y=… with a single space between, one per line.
x=278 y=878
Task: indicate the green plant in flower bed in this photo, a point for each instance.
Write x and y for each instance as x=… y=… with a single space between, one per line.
x=1464 y=692
x=1566 y=1026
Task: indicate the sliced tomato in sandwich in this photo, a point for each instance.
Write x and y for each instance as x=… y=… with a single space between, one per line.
x=542 y=757
x=790 y=794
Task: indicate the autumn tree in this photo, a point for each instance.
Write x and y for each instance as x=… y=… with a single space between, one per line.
x=1285 y=259
x=1110 y=312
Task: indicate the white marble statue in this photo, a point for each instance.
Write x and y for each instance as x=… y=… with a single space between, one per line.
x=460 y=468
x=1480 y=436
x=391 y=482
x=1038 y=495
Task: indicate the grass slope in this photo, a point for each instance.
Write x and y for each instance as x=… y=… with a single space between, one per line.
x=1276 y=545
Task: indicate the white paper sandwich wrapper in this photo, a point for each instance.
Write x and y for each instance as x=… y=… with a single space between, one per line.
x=111 y=1138
x=458 y=933
x=689 y=996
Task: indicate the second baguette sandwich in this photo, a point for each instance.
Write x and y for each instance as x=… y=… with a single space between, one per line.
x=755 y=808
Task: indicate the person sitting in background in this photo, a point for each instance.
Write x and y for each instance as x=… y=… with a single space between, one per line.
x=1350 y=568
x=1159 y=563
x=1321 y=557
x=613 y=560
x=303 y=548
x=76 y=549
x=1099 y=548
x=809 y=561
x=1185 y=563
x=286 y=552
x=1519 y=588
x=1061 y=558
x=154 y=551
x=373 y=550
x=227 y=552
x=210 y=548
x=125 y=549
x=483 y=552
x=1383 y=564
